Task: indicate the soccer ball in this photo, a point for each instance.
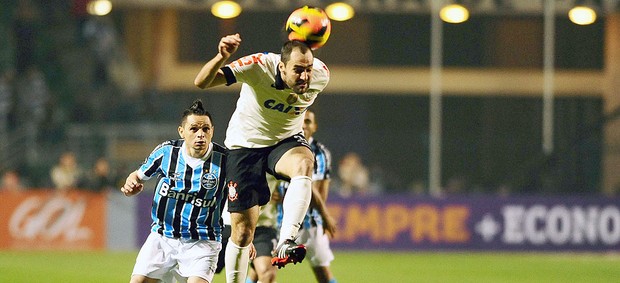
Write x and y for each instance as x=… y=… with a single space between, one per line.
x=310 y=25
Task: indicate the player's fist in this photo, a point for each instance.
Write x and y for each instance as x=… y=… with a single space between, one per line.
x=132 y=188
x=132 y=185
x=229 y=44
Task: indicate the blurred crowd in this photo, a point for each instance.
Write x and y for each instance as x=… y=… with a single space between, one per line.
x=352 y=177
x=67 y=174
x=60 y=66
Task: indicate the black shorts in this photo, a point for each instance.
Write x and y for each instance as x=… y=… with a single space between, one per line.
x=265 y=240
x=246 y=168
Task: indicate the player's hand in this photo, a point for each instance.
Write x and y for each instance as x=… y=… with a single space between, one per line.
x=276 y=197
x=132 y=187
x=252 y=251
x=229 y=44
x=329 y=225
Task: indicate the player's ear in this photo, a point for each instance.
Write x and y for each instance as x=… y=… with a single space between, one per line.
x=180 y=130
x=281 y=66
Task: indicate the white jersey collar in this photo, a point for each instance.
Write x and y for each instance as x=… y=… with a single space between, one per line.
x=193 y=161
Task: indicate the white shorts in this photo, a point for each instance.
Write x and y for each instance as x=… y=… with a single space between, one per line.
x=159 y=256
x=317 y=246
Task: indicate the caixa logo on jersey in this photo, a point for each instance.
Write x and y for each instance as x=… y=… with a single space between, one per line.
x=281 y=107
x=209 y=181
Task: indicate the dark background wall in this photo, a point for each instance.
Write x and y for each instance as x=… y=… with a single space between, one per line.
x=490 y=141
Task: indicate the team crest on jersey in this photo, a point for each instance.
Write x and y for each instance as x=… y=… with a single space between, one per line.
x=208 y=181
x=308 y=96
x=232 y=191
x=292 y=98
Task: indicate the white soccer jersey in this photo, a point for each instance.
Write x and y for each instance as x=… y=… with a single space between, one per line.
x=264 y=114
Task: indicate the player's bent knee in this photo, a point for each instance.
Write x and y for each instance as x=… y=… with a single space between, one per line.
x=268 y=275
x=300 y=167
x=242 y=239
x=307 y=163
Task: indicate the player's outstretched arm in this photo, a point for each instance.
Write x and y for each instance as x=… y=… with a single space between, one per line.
x=210 y=74
x=319 y=198
x=133 y=185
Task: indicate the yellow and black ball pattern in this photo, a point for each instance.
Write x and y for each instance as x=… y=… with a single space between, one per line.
x=310 y=25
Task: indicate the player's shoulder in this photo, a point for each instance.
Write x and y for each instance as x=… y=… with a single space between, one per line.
x=219 y=148
x=320 y=75
x=261 y=59
x=319 y=63
x=322 y=147
x=169 y=144
x=320 y=66
x=272 y=56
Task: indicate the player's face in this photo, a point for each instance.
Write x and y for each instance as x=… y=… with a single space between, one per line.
x=297 y=72
x=197 y=132
x=309 y=125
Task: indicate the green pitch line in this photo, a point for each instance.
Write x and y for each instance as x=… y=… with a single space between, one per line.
x=349 y=267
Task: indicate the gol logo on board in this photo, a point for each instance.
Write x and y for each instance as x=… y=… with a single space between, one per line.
x=47 y=219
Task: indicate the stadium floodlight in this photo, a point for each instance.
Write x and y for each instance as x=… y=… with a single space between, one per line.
x=99 y=7
x=582 y=15
x=339 y=11
x=454 y=14
x=226 y=9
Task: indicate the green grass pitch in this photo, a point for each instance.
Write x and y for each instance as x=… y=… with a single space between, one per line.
x=349 y=267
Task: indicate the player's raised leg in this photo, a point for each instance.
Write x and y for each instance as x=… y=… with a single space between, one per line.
x=297 y=163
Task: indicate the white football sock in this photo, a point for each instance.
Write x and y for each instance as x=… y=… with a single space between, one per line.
x=236 y=260
x=295 y=204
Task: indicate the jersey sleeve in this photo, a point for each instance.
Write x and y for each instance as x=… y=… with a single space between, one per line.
x=152 y=164
x=320 y=75
x=249 y=69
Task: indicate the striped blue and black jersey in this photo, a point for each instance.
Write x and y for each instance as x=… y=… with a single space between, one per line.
x=322 y=171
x=190 y=192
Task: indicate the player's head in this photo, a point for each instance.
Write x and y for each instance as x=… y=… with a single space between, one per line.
x=68 y=159
x=295 y=65
x=310 y=125
x=196 y=128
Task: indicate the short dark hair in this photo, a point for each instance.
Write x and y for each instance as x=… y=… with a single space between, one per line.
x=196 y=109
x=289 y=46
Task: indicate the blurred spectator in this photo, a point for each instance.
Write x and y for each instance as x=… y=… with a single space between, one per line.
x=457 y=184
x=417 y=188
x=101 y=177
x=354 y=176
x=11 y=181
x=66 y=173
x=504 y=190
